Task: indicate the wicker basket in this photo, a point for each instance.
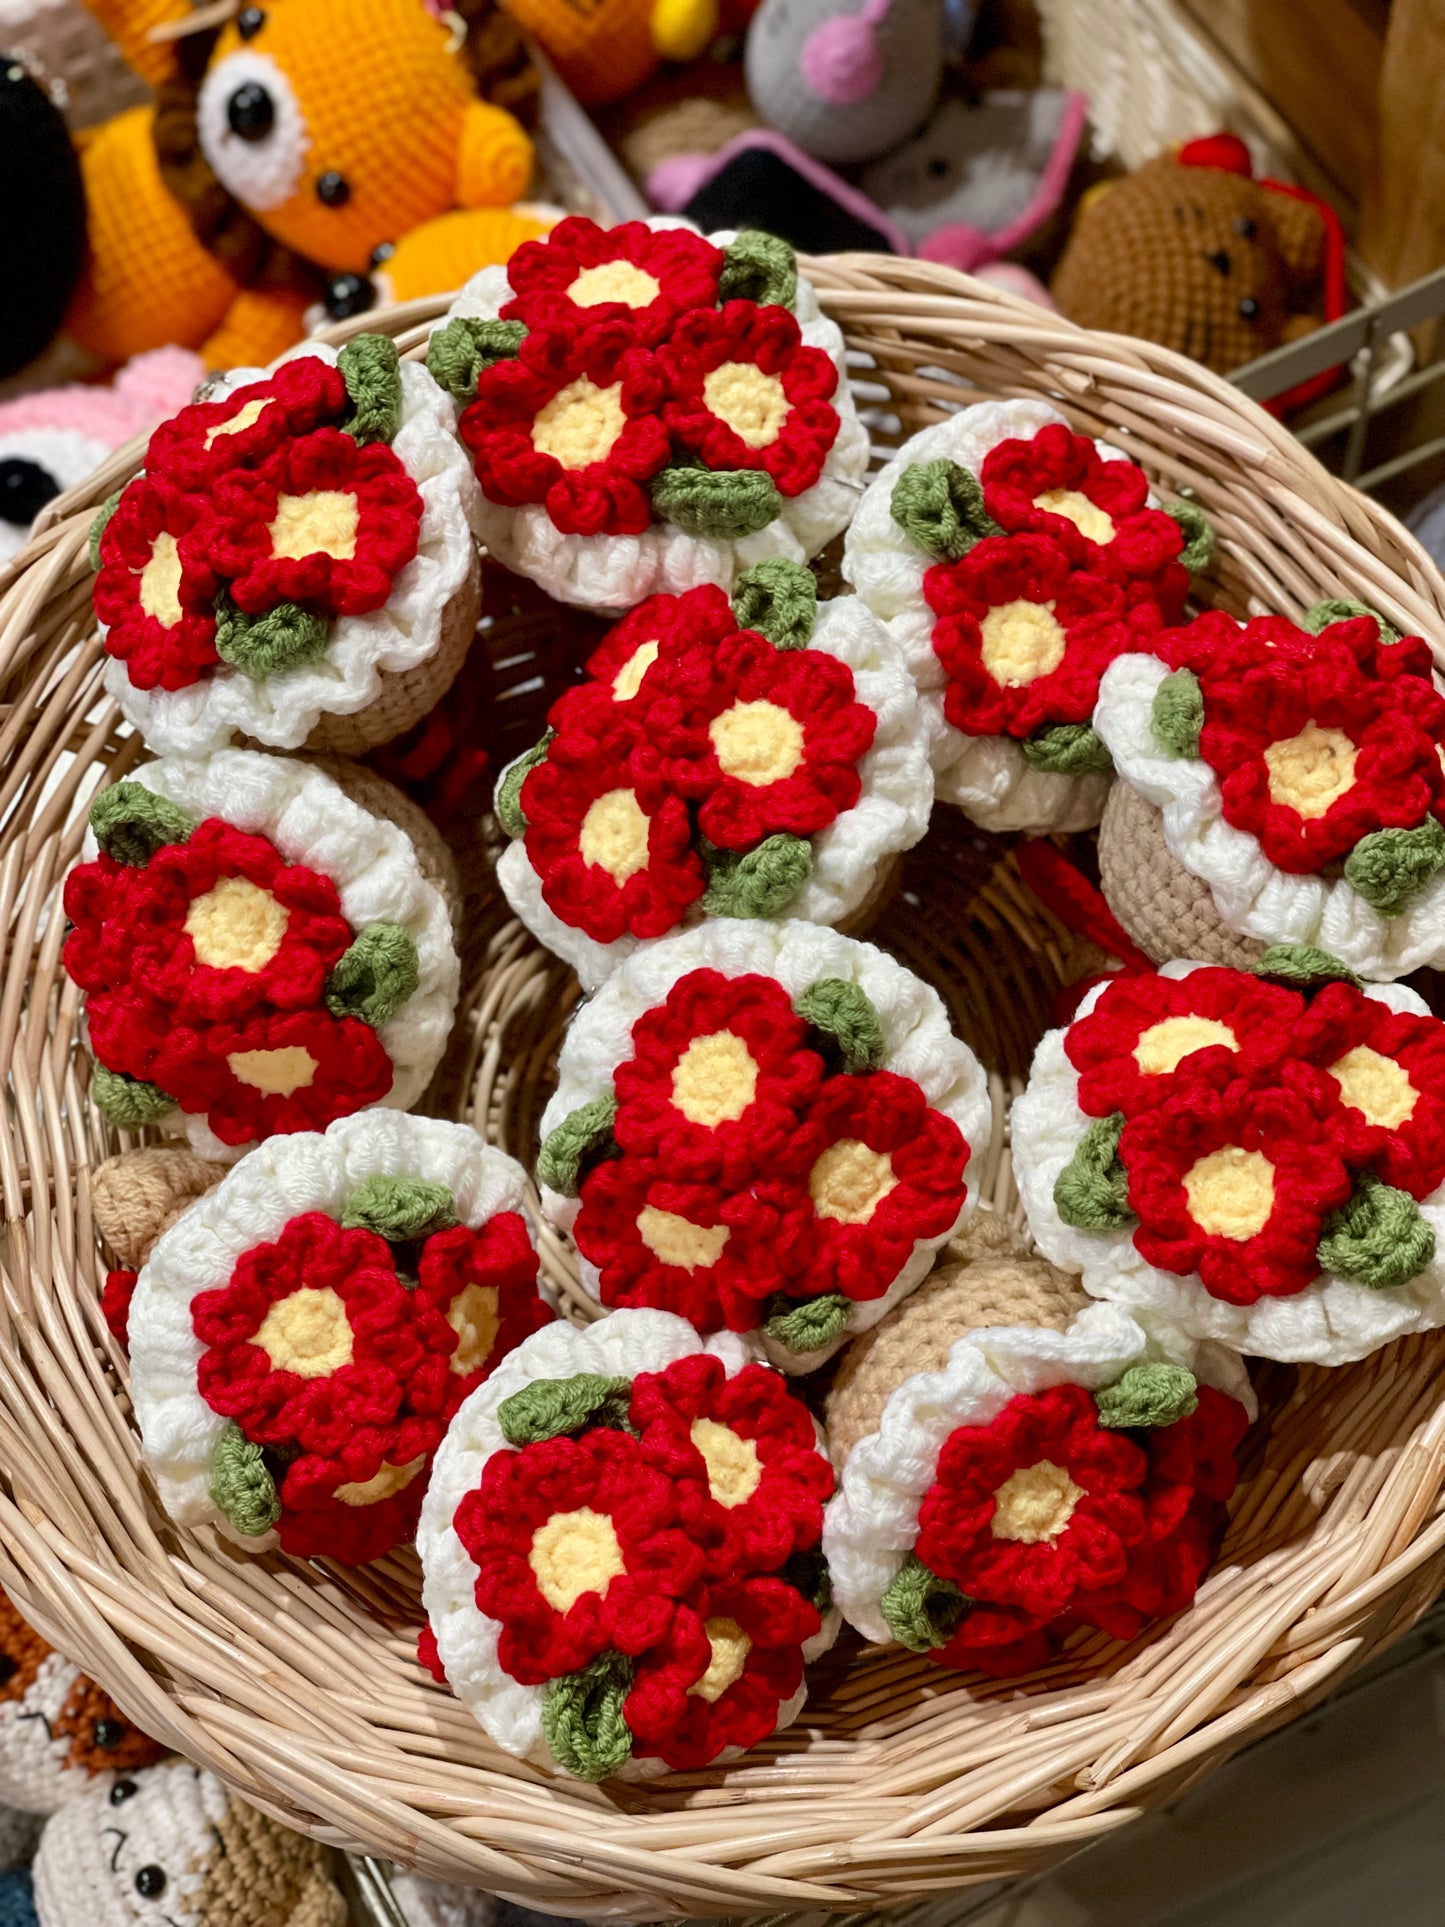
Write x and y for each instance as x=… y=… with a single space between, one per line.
x=298 y=1683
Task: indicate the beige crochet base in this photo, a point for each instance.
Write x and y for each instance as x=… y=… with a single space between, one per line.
x=378 y=797
x=290 y=1874
x=1166 y=909
x=137 y=1195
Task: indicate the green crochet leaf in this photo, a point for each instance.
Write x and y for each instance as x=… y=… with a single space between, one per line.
x=371 y=369
x=922 y=1610
x=1378 y=1239
x=97 y=528
x=579 y=1139
x=940 y=505
x=780 y=600
x=759 y=267
x=131 y=822
x=1066 y=749
x=1178 y=713
x=1157 y=1394
x=846 y=1014
x=724 y=503
x=241 y=1487
x=551 y=1408
x=1198 y=533
x=1092 y=1191
x=398 y=1208
x=457 y=354
x=263 y=646
x=507 y=802
x=761 y=882
x=1302 y=964
x=1341 y=609
x=376 y=976
x=808 y=1324
x=1387 y=867
x=127 y=1102
x=582 y=1717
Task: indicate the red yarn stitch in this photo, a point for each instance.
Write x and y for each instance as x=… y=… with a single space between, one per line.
x=302 y=394
x=684 y=265
x=115 y=1301
x=498 y=1257
x=157 y=655
x=1410 y=1154
x=427 y=1656
x=1219 y=649
x=679 y=624
x=603 y=497
x=770 y=339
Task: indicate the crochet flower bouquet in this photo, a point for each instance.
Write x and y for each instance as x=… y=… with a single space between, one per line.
x=648 y=410
x=758 y=759
x=619 y=1549
x=1280 y=786
x=295 y=564
x=762 y=1127
x=301 y=1335
x=1013 y=1466
x=1245 y=1160
x=1013 y=560
x=260 y=953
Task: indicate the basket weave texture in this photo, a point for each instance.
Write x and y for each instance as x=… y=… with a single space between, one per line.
x=299 y=1684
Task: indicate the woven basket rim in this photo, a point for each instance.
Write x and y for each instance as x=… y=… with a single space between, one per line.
x=299 y=1686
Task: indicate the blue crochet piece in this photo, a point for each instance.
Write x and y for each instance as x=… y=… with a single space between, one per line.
x=17 y=1899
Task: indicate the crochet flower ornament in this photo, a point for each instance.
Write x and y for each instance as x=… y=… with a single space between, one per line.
x=758 y=759
x=259 y=952
x=295 y=564
x=301 y=1335
x=650 y=411
x=619 y=1549
x=1012 y=561
x=1282 y=785
x=763 y=1127
x=1256 y=1162
x=1013 y=1466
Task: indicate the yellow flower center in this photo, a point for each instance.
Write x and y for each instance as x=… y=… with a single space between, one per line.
x=614 y=835
x=275 y=1072
x=734 y=1470
x=1021 y=641
x=849 y=1181
x=474 y=1317
x=715 y=1079
x=160 y=582
x=1230 y=1192
x=573 y=1553
x=751 y=403
x=1376 y=1085
x=730 y=1649
x=321 y=523
x=678 y=1241
x=384 y=1483
x=236 y=926
x=250 y=412
x=1311 y=771
x=615 y=281
x=1087 y=517
x=1162 y=1047
x=1036 y=1503
x=307 y=1332
x=628 y=680
x=758 y=743
x=581 y=423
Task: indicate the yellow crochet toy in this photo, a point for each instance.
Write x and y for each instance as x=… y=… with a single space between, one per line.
x=289 y=153
x=604 y=49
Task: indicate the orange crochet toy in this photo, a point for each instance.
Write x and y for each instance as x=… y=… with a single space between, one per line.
x=605 y=49
x=286 y=155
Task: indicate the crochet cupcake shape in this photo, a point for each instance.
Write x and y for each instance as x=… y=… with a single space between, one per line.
x=1282 y=784
x=649 y=411
x=301 y=1335
x=1015 y=1463
x=260 y=952
x=295 y=564
x=766 y=1128
x=1012 y=561
x=619 y=1550
x=1253 y=1161
x=762 y=758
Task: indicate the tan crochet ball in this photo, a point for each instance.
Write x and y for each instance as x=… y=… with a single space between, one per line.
x=1166 y=909
x=137 y=1195
x=266 y=1876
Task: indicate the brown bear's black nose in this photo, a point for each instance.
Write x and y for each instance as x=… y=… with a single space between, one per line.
x=251 y=111
x=25 y=488
x=333 y=188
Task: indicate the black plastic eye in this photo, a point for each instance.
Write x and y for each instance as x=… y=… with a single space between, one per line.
x=1249 y=307
x=1219 y=259
x=382 y=253
x=349 y=294
x=1243 y=225
x=249 y=22
x=333 y=188
x=150 y=1882
x=122 y=1791
x=251 y=111
x=938 y=167
x=8 y=1667
x=25 y=488
x=107 y=1733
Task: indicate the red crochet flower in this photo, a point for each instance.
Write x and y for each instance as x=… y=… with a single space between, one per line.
x=718 y=1079
x=581 y=273
x=575 y=422
x=611 y=846
x=869 y=1172
x=568 y=1512
x=1219 y=649
x=762 y=739
x=1233 y=1183
x=1025 y=637
x=212 y=927
x=732 y=1659
x=670 y=1245
x=743 y=392
x=1043 y=1517
x=483 y=1283
x=204 y=440
x=1144 y=1029
x=155 y=585
x=745 y=1454
x=664 y=624
x=1385 y=1083
x=1058 y=484
x=321 y=520
x=317 y=1523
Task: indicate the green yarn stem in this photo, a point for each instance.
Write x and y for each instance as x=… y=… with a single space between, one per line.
x=1378 y=1239
x=97 y=528
x=371 y=369
x=1066 y=749
x=724 y=503
x=399 y=1209
x=241 y=1487
x=808 y=1324
x=457 y=354
x=551 y=1408
x=1178 y=713
x=1092 y=1190
x=131 y=822
x=1198 y=533
x=1304 y=965
x=807 y=1573
x=582 y=1717
x=127 y=1102
x=759 y=267
x=376 y=976
x=1155 y=1394
x=262 y=646
x=1341 y=609
x=940 y=504
x=846 y=1014
x=922 y=1610
x=761 y=882
x=507 y=803
x=1389 y=866
x=581 y=1137
x=780 y=600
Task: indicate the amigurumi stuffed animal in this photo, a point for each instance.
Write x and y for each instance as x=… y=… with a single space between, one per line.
x=845 y=85
x=266 y=176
